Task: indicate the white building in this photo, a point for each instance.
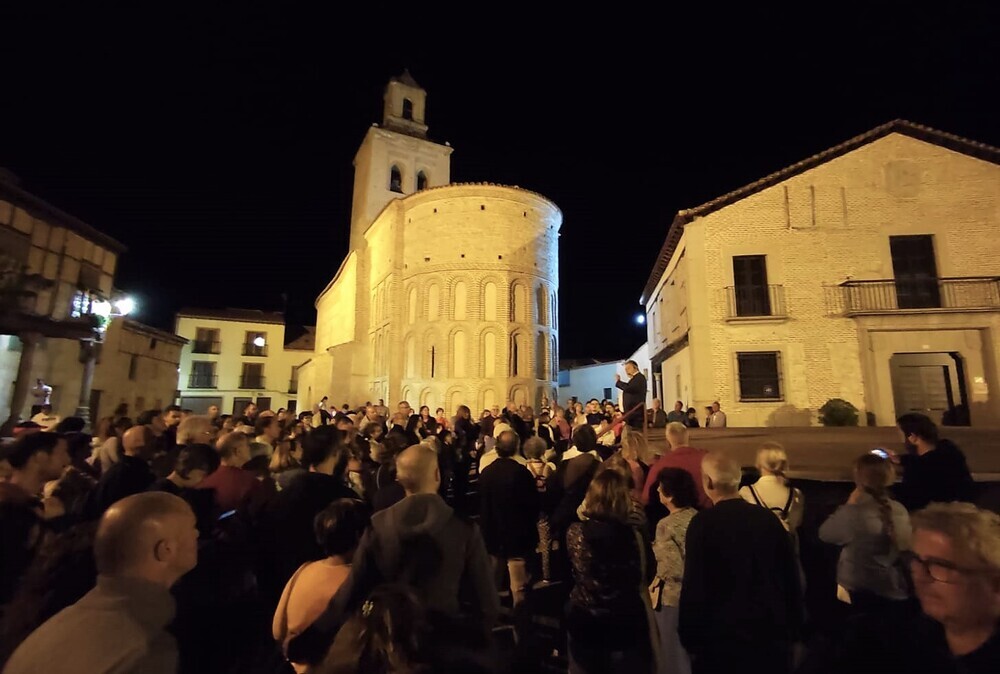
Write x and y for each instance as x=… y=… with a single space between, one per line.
x=448 y=294
x=596 y=379
x=869 y=272
x=237 y=356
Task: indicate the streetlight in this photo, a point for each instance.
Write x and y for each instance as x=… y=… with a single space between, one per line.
x=640 y=319
x=103 y=311
x=259 y=342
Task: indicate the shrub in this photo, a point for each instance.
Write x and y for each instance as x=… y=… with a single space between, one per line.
x=838 y=412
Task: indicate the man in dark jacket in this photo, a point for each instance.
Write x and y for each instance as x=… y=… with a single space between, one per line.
x=419 y=542
x=509 y=515
x=741 y=600
x=130 y=475
x=934 y=470
x=633 y=394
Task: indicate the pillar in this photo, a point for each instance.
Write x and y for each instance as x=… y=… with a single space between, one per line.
x=23 y=383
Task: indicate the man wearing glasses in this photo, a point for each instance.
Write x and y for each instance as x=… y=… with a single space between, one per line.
x=955 y=566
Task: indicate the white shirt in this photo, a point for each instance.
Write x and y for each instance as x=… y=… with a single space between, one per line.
x=43 y=393
x=491 y=456
x=717 y=420
x=573 y=452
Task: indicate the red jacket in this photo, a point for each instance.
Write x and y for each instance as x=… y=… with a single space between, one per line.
x=687 y=458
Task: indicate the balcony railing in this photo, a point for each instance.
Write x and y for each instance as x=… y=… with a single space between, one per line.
x=203 y=381
x=252 y=381
x=206 y=346
x=254 y=350
x=293 y=386
x=973 y=293
x=755 y=301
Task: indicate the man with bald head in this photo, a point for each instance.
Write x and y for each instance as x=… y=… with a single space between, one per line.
x=130 y=475
x=144 y=544
x=741 y=600
x=419 y=542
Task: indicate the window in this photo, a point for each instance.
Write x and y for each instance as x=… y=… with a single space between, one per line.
x=395 y=180
x=516 y=354
x=202 y=374
x=759 y=375
x=458 y=354
x=410 y=358
x=293 y=381
x=490 y=301
x=915 y=272
x=412 y=306
x=252 y=376
x=90 y=277
x=255 y=343
x=407 y=109
x=607 y=394
x=433 y=361
x=750 y=285
x=133 y=367
x=541 y=346
x=564 y=377
x=421 y=181
x=489 y=355
x=433 y=302
x=518 y=303
x=206 y=341
x=540 y=308
x=460 y=303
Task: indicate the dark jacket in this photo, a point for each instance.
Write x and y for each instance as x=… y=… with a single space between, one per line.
x=741 y=585
x=294 y=510
x=605 y=605
x=565 y=489
x=634 y=393
x=509 y=514
x=939 y=476
x=130 y=475
x=419 y=542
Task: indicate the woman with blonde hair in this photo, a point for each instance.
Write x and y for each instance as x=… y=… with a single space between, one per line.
x=635 y=451
x=607 y=624
x=872 y=530
x=773 y=490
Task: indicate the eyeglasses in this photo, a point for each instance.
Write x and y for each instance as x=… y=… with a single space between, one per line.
x=939 y=570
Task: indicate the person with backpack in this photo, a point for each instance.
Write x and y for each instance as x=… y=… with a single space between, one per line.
x=773 y=491
x=534 y=450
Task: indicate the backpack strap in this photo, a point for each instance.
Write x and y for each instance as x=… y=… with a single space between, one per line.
x=788 y=505
x=756 y=496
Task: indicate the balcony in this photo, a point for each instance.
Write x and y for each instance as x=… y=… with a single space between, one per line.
x=755 y=302
x=293 y=386
x=200 y=346
x=254 y=350
x=203 y=381
x=921 y=295
x=254 y=381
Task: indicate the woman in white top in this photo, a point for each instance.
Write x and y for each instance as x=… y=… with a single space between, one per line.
x=772 y=490
x=108 y=442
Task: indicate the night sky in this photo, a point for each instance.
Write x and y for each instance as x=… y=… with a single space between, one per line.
x=217 y=142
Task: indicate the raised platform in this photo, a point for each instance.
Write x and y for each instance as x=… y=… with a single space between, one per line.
x=827 y=453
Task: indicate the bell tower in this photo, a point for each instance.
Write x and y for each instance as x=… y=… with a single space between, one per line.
x=396 y=158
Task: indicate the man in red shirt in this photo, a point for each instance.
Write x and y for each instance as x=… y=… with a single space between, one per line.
x=233 y=486
x=679 y=456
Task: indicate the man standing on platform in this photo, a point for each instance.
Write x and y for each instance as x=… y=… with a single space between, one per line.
x=633 y=394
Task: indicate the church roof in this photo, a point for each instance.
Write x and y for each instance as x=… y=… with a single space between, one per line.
x=901 y=126
x=242 y=315
x=407 y=79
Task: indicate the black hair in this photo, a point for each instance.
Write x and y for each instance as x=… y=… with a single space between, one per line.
x=339 y=526
x=146 y=418
x=321 y=444
x=70 y=425
x=73 y=490
x=197 y=457
x=263 y=423
x=172 y=408
x=678 y=483
x=585 y=439
x=19 y=452
x=919 y=425
x=187 y=411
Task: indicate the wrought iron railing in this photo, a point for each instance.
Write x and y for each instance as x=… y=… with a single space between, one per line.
x=206 y=346
x=293 y=386
x=252 y=381
x=750 y=301
x=203 y=381
x=906 y=294
x=254 y=350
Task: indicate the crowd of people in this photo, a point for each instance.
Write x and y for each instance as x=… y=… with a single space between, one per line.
x=378 y=540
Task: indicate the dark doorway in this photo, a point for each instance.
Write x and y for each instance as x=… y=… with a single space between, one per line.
x=915 y=272
x=750 y=285
x=263 y=404
x=200 y=404
x=239 y=404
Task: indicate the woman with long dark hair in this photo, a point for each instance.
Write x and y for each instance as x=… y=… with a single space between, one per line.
x=872 y=530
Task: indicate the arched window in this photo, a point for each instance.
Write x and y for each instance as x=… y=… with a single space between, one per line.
x=407 y=109
x=458 y=354
x=412 y=306
x=541 y=346
x=433 y=361
x=425 y=397
x=411 y=358
x=489 y=355
x=554 y=360
x=421 y=181
x=490 y=302
x=555 y=311
x=518 y=303
x=396 y=180
x=433 y=302
x=457 y=398
x=489 y=399
x=541 y=298
x=459 y=302
x=517 y=355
